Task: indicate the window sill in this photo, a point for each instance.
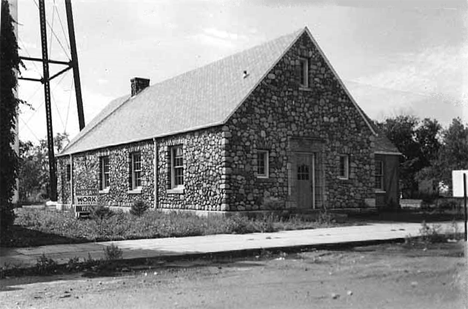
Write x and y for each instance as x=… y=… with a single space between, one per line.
x=262 y=176
x=343 y=178
x=379 y=191
x=305 y=88
x=134 y=191
x=177 y=190
x=104 y=191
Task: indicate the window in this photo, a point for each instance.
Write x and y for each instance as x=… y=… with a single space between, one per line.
x=303 y=172
x=344 y=167
x=177 y=167
x=304 y=72
x=379 y=171
x=262 y=164
x=135 y=170
x=104 y=182
x=68 y=172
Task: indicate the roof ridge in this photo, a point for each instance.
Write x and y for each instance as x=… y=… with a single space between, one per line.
x=181 y=76
x=86 y=131
x=229 y=56
x=298 y=33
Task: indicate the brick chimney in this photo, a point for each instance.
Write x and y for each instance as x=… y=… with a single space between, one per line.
x=138 y=84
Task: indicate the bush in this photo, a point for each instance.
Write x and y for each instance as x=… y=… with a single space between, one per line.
x=112 y=253
x=101 y=213
x=45 y=265
x=138 y=208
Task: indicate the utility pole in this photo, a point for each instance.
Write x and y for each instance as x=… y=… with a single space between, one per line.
x=45 y=80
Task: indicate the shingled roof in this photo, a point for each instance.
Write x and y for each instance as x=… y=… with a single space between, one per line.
x=201 y=98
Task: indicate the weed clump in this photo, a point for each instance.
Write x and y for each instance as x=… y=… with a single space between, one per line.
x=45 y=265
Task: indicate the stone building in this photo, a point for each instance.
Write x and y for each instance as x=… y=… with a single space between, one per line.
x=270 y=127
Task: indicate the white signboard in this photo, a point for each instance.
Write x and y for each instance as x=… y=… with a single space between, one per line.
x=85 y=198
x=457 y=182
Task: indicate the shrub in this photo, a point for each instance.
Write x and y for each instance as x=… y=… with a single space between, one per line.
x=138 y=208
x=100 y=213
x=448 y=205
x=324 y=217
x=45 y=265
x=112 y=252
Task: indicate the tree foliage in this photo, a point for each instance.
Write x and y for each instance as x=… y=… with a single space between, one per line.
x=418 y=141
x=452 y=154
x=9 y=65
x=34 y=168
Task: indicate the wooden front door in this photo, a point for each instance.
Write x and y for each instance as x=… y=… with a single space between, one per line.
x=305 y=181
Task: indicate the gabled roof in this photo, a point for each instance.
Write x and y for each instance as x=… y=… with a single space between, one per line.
x=202 y=98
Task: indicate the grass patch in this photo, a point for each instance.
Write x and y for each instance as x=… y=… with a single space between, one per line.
x=44 y=227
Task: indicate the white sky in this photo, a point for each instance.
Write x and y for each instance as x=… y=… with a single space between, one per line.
x=395 y=56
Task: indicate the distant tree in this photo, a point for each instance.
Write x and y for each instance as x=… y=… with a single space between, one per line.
x=452 y=154
x=34 y=167
x=428 y=136
x=9 y=65
x=401 y=131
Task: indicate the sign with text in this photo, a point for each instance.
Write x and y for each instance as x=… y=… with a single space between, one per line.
x=457 y=182
x=84 y=198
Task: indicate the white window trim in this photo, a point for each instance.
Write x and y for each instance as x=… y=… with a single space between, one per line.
x=135 y=188
x=346 y=167
x=304 y=63
x=176 y=188
x=103 y=187
x=266 y=162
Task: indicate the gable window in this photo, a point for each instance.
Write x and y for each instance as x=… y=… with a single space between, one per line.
x=379 y=173
x=177 y=167
x=263 y=165
x=135 y=170
x=104 y=179
x=304 y=72
x=343 y=167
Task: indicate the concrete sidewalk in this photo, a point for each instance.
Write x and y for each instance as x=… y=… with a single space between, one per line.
x=217 y=244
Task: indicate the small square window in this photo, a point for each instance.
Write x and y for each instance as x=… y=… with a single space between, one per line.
x=104 y=174
x=304 y=72
x=379 y=175
x=344 y=167
x=135 y=170
x=263 y=164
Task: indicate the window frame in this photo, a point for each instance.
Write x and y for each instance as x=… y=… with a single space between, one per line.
x=68 y=172
x=381 y=175
x=136 y=174
x=104 y=176
x=265 y=164
x=304 y=73
x=343 y=173
x=177 y=179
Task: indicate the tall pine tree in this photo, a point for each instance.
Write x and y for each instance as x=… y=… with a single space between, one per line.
x=9 y=65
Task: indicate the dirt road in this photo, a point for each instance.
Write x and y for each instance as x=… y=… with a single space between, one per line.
x=385 y=276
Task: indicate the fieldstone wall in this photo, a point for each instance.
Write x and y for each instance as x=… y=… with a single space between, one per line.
x=203 y=169
x=86 y=174
x=280 y=109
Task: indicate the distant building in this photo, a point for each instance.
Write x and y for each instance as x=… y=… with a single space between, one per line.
x=270 y=127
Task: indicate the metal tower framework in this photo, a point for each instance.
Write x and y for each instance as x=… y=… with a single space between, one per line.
x=45 y=80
